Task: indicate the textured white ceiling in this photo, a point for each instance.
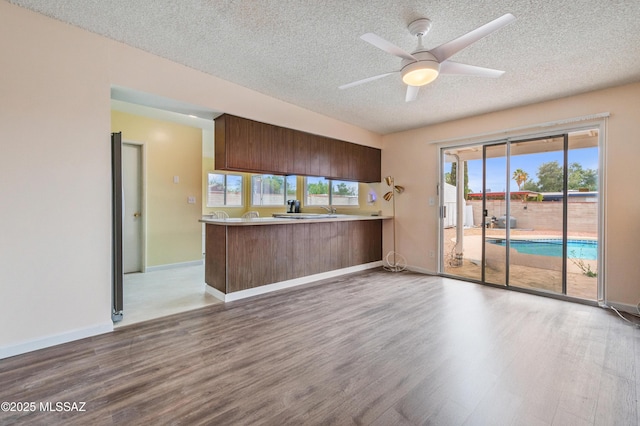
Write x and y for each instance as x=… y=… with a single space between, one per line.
x=300 y=51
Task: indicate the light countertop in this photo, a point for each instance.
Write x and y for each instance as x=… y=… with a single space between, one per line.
x=237 y=221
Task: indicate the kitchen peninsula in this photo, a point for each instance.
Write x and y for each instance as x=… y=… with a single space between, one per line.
x=246 y=257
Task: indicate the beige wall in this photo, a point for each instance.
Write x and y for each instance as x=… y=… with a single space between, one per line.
x=412 y=157
x=55 y=227
x=173 y=232
x=55 y=256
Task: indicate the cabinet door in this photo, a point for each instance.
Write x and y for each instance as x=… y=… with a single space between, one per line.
x=324 y=152
x=356 y=153
x=314 y=146
x=342 y=245
x=365 y=241
x=370 y=166
x=300 y=153
x=242 y=143
x=220 y=142
x=281 y=150
x=364 y=163
x=237 y=140
x=265 y=137
x=373 y=243
x=339 y=160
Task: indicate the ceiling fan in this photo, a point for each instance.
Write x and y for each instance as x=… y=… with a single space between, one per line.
x=422 y=66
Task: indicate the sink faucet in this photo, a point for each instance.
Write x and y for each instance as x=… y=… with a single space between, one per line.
x=330 y=209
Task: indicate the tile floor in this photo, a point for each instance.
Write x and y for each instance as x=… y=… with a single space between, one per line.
x=164 y=292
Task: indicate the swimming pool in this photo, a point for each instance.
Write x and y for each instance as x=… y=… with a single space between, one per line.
x=583 y=249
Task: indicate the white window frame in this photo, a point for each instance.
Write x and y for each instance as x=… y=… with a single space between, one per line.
x=330 y=192
x=226 y=192
x=286 y=185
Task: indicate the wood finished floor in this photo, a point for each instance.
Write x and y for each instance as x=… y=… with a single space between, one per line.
x=374 y=348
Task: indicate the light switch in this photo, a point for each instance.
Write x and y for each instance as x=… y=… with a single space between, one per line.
x=176 y=179
x=191 y=200
x=432 y=201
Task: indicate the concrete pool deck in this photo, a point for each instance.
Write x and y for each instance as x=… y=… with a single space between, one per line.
x=529 y=271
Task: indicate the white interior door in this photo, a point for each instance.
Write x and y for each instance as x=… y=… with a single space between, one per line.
x=133 y=220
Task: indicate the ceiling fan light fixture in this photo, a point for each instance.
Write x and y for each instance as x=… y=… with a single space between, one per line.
x=422 y=67
x=420 y=73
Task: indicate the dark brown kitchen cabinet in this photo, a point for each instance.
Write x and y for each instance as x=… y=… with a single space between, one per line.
x=238 y=144
x=313 y=155
x=313 y=168
x=275 y=145
x=354 y=158
x=324 y=151
x=299 y=154
x=339 y=160
x=251 y=146
x=240 y=256
x=370 y=165
x=267 y=147
x=363 y=163
x=281 y=147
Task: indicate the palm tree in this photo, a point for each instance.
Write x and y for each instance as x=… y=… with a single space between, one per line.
x=520 y=176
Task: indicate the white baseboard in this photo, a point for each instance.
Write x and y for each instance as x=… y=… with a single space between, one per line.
x=174 y=265
x=214 y=292
x=243 y=294
x=622 y=307
x=57 y=339
x=420 y=270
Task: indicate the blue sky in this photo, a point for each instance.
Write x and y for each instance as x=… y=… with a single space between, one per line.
x=496 y=167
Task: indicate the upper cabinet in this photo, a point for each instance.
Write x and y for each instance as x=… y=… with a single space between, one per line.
x=239 y=144
x=366 y=172
x=251 y=146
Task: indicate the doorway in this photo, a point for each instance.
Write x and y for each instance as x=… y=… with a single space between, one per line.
x=524 y=214
x=142 y=292
x=133 y=218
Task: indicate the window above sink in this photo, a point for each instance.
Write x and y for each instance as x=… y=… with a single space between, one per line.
x=326 y=192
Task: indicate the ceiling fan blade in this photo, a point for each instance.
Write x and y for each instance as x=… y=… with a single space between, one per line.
x=446 y=50
x=412 y=93
x=450 y=67
x=388 y=47
x=365 y=80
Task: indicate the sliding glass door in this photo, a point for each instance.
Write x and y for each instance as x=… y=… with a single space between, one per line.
x=582 y=208
x=537 y=236
x=461 y=248
x=495 y=211
x=524 y=213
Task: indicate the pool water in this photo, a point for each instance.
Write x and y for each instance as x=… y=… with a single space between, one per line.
x=582 y=249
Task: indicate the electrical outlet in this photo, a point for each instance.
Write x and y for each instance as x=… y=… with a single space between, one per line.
x=432 y=254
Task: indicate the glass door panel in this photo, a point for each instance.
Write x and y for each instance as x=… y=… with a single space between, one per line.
x=537 y=211
x=495 y=208
x=582 y=215
x=461 y=217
